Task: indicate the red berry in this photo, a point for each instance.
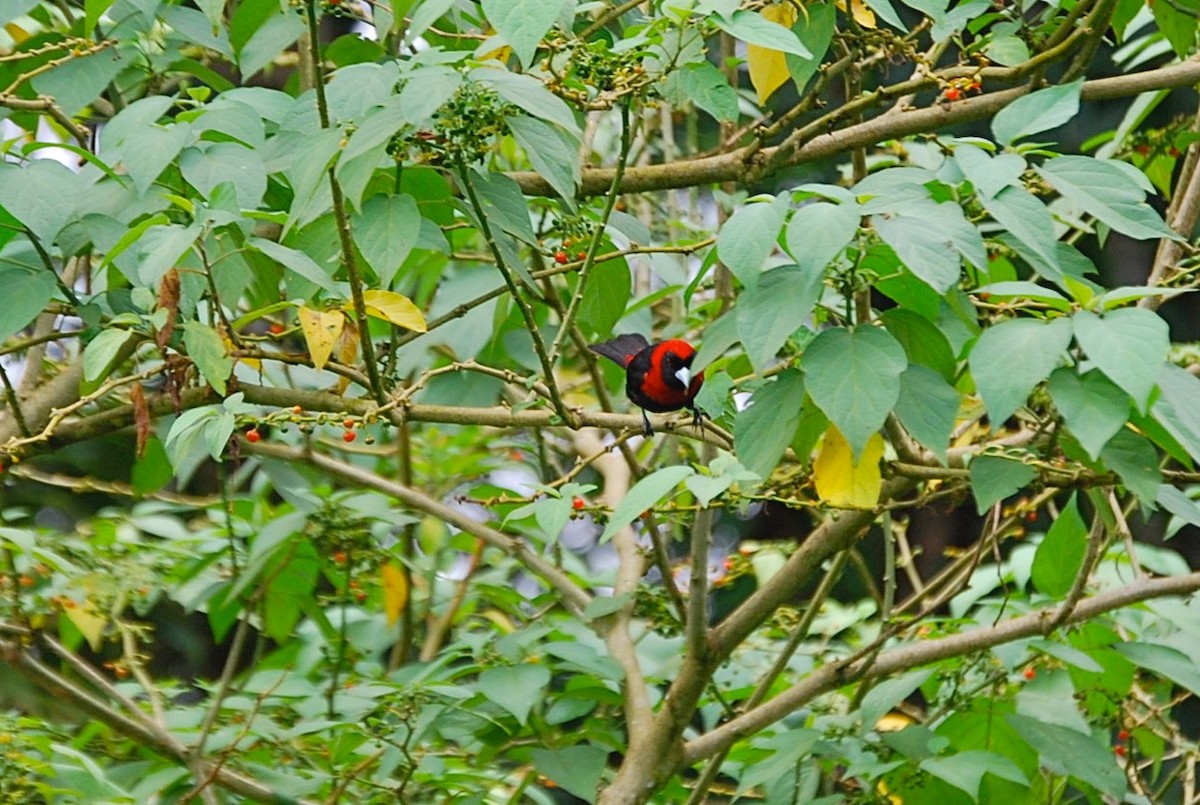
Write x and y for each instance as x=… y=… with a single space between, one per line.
x=577 y=504
x=339 y=557
x=349 y=436
x=1172 y=152
x=581 y=256
x=276 y=328
x=561 y=257
x=1030 y=517
x=1123 y=735
x=253 y=435
x=983 y=297
x=953 y=93
x=348 y=423
x=1030 y=672
x=1120 y=750
x=1142 y=149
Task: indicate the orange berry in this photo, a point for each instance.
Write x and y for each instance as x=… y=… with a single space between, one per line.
x=360 y=597
x=1030 y=672
x=349 y=436
x=581 y=256
x=577 y=504
x=953 y=93
x=296 y=409
x=348 y=423
x=25 y=581
x=253 y=436
x=276 y=328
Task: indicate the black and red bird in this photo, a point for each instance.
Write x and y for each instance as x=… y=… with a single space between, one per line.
x=658 y=377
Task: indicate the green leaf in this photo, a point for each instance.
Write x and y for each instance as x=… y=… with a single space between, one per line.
x=189 y=428
x=764 y=429
x=522 y=23
x=994 y=478
x=1007 y=50
x=645 y=494
x=1065 y=751
x=1128 y=345
x=1093 y=407
x=931 y=240
x=1037 y=112
x=268 y=39
x=748 y=238
x=1134 y=458
x=26 y=292
x=923 y=342
x=1165 y=661
x=989 y=174
x=965 y=770
x=42 y=195
x=815 y=29
x=294 y=260
x=147 y=152
x=1103 y=189
x=1021 y=289
x=927 y=408
x=1178 y=504
x=605 y=296
x=207 y=351
x=753 y=29
x=291 y=581
x=881 y=698
x=552 y=153
x=853 y=375
x=80 y=80
x=526 y=92
x=705 y=86
x=215 y=163
x=1176 y=407
x=819 y=231
x=515 y=688
x=575 y=769
x=1012 y=357
x=1178 y=24
x=1060 y=554
x=102 y=352
x=385 y=232
x=504 y=205
x=157 y=251
x=774 y=308
x=1028 y=220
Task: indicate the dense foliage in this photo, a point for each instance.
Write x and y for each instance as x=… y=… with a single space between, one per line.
x=313 y=491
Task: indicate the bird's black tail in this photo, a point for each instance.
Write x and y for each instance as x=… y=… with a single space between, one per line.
x=622 y=348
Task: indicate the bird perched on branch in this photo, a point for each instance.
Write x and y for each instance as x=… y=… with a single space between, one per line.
x=658 y=377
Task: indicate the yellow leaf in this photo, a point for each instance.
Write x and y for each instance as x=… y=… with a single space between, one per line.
x=17 y=33
x=768 y=67
x=230 y=348
x=89 y=624
x=347 y=352
x=396 y=308
x=321 y=330
x=863 y=14
x=842 y=483
x=395 y=590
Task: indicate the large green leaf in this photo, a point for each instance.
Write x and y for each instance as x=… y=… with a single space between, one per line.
x=818 y=232
x=1176 y=407
x=1129 y=345
x=774 y=308
x=526 y=92
x=42 y=195
x=1028 y=220
x=989 y=174
x=605 y=296
x=748 y=238
x=1093 y=407
x=965 y=770
x=1135 y=460
x=78 y=81
x=207 y=351
x=753 y=29
x=515 y=688
x=26 y=292
x=575 y=769
x=853 y=375
x=1012 y=357
x=385 y=232
x=289 y=587
x=1065 y=751
x=1168 y=662
x=994 y=478
x=1107 y=190
x=522 y=23
x=1037 y=112
x=932 y=240
x=295 y=260
x=1060 y=554
x=815 y=29
x=887 y=694
x=212 y=164
x=645 y=493
x=763 y=430
x=551 y=151
x=708 y=88
x=923 y=342
x=927 y=407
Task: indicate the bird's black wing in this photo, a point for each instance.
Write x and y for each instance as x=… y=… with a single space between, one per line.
x=621 y=349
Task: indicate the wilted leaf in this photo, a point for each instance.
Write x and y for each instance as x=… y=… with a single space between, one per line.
x=395 y=591
x=321 y=330
x=141 y=417
x=861 y=12
x=168 y=300
x=84 y=618
x=842 y=482
x=768 y=67
x=396 y=308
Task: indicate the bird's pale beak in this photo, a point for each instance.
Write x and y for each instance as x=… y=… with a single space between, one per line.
x=684 y=375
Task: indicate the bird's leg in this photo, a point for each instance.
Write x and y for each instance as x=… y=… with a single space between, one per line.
x=698 y=417
x=646 y=429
